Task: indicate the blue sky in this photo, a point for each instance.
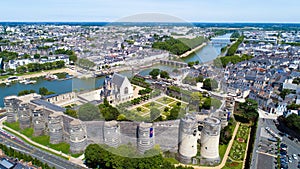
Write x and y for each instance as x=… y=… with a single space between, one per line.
x=187 y=10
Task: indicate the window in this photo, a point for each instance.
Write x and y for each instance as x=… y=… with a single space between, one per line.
x=126 y=90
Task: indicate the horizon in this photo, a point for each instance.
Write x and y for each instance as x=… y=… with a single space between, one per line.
x=217 y=11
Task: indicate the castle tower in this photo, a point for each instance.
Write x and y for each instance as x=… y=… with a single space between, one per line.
x=223 y=116
x=38 y=122
x=78 y=136
x=11 y=105
x=24 y=114
x=111 y=133
x=55 y=128
x=145 y=139
x=187 y=139
x=210 y=141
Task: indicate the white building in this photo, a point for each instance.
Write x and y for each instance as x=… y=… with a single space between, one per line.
x=117 y=88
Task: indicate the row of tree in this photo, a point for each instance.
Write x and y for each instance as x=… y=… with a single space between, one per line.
x=34 y=67
x=155 y=72
x=42 y=91
x=233 y=48
x=98 y=157
x=231 y=59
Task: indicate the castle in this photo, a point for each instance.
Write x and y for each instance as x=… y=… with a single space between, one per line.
x=181 y=136
x=46 y=119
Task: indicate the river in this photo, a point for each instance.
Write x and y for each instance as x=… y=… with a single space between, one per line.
x=207 y=53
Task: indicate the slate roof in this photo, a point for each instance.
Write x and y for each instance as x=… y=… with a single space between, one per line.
x=118 y=79
x=48 y=105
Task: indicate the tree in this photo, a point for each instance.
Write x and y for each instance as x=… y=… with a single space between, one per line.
x=284 y=92
x=71 y=113
x=21 y=69
x=191 y=64
x=154 y=73
x=164 y=74
x=73 y=58
x=36 y=56
x=154 y=113
x=249 y=108
x=88 y=112
x=200 y=78
x=43 y=91
x=210 y=84
x=174 y=113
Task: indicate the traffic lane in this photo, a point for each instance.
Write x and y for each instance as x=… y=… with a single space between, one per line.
x=48 y=158
x=254 y=153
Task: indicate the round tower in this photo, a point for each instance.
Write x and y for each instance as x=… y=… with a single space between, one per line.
x=55 y=128
x=24 y=114
x=78 y=136
x=145 y=137
x=10 y=103
x=210 y=140
x=38 y=122
x=187 y=139
x=111 y=133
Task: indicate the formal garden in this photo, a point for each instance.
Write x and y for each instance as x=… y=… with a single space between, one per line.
x=164 y=104
x=238 y=149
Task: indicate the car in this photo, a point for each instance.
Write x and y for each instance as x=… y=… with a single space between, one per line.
x=290 y=161
x=295 y=156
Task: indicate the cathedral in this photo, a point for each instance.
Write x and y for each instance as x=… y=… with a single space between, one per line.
x=116 y=88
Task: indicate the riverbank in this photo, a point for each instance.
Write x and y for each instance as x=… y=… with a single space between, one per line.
x=193 y=50
x=43 y=73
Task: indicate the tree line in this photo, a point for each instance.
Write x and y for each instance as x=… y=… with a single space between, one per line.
x=177 y=46
x=34 y=67
x=231 y=59
x=98 y=157
x=233 y=48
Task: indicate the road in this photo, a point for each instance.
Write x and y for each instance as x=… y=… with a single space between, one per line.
x=45 y=157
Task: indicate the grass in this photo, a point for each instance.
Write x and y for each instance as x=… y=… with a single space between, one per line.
x=15 y=125
x=172 y=160
x=151 y=105
x=165 y=100
x=222 y=150
x=16 y=134
x=183 y=105
x=43 y=140
x=142 y=112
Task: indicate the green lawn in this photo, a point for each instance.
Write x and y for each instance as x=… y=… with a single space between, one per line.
x=165 y=100
x=28 y=132
x=14 y=125
x=183 y=105
x=222 y=150
x=142 y=112
x=43 y=140
x=151 y=105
